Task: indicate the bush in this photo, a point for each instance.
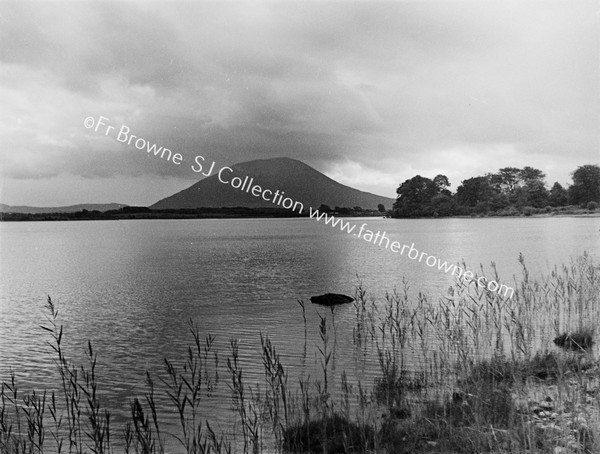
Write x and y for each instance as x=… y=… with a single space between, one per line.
x=391 y=388
x=332 y=434
x=485 y=395
x=481 y=404
x=508 y=211
x=551 y=365
x=435 y=435
x=528 y=211
x=592 y=206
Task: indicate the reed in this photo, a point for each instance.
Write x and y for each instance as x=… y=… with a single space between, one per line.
x=470 y=372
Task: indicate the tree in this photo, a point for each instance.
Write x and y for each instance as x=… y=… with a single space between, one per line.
x=442 y=184
x=558 y=196
x=533 y=191
x=442 y=205
x=474 y=190
x=381 y=208
x=414 y=197
x=586 y=185
x=508 y=179
x=496 y=181
x=534 y=194
x=497 y=201
x=529 y=174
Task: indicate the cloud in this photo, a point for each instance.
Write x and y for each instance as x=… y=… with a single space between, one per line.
x=373 y=89
x=354 y=174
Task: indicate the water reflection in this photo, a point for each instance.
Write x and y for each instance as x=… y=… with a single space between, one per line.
x=132 y=287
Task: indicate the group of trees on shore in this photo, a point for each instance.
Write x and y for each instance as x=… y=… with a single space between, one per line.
x=510 y=191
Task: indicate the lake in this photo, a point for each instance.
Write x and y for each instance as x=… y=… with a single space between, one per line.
x=132 y=287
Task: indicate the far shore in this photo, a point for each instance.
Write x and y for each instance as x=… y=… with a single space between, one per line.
x=259 y=213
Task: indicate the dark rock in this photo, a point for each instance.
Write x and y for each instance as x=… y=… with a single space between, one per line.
x=331 y=299
x=575 y=341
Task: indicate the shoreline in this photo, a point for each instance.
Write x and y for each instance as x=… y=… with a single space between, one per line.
x=244 y=213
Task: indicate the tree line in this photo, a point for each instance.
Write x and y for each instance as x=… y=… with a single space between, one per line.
x=139 y=212
x=510 y=191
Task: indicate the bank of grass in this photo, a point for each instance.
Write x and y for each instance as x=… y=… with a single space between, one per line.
x=472 y=372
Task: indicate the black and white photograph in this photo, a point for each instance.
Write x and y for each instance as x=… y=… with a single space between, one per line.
x=299 y=226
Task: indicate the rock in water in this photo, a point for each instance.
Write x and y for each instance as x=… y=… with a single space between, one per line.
x=575 y=341
x=331 y=299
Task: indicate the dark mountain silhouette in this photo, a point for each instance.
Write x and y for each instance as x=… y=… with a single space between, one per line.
x=66 y=209
x=299 y=181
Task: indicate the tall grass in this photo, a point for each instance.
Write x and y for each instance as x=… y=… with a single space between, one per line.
x=471 y=372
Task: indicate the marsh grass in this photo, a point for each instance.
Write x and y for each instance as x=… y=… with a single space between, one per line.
x=472 y=372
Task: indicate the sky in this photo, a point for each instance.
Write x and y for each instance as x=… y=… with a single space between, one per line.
x=369 y=93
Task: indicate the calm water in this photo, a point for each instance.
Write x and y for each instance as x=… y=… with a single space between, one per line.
x=132 y=286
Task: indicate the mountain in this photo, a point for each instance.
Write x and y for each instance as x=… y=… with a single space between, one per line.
x=297 y=180
x=66 y=209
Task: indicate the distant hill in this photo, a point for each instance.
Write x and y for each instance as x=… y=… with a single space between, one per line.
x=299 y=181
x=66 y=209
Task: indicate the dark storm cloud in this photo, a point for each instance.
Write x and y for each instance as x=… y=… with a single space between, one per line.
x=373 y=92
x=84 y=42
